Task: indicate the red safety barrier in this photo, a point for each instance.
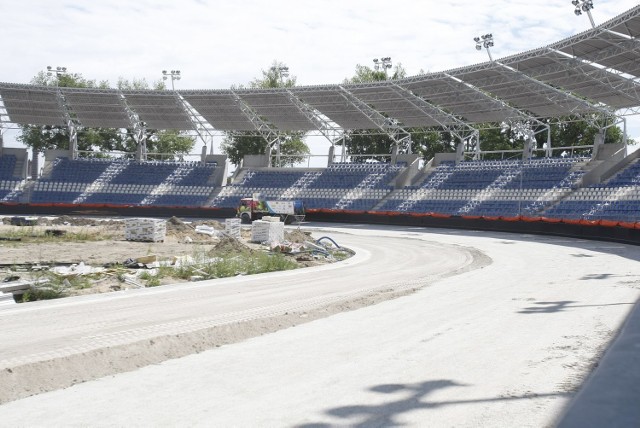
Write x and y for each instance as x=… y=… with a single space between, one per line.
x=609 y=223
x=438 y=215
x=530 y=219
x=517 y=218
x=471 y=217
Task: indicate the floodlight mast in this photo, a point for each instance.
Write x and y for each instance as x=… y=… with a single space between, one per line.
x=58 y=71
x=281 y=71
x=383 y=64
x=584 y=6
x=71 y=124
x=485 y=41
x=174 y=74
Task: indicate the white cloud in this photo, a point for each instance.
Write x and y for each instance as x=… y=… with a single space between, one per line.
x=218 y=43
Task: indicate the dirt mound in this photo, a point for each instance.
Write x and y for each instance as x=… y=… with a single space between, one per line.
x=175 y=226
x=229 y=245
x=74 y=221
x=297 y=236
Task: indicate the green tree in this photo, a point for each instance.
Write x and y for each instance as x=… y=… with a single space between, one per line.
x=292 y=147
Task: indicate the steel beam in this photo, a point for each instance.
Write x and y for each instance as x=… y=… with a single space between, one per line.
x=400 y=136
x=139 y=129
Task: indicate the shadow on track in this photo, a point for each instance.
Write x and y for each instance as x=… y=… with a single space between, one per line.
x=414 y=397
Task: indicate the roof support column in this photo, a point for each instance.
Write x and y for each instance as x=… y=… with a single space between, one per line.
x=400 y=136
x=199 y=123
x=139 y=131
x=330 y=130
x=71 y=125
x=519 y=118
x=446 y=120
x=265 y=129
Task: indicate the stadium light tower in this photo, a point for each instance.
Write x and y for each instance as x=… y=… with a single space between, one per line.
x=174 y=74
x=584 y=6
x=58 y=71
x=382 y=63
x=485 y=41
x=281 y=71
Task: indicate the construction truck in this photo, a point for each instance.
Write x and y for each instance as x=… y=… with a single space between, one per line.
x=251 y=209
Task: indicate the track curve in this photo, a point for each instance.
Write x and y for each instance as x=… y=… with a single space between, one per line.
x=505 y=345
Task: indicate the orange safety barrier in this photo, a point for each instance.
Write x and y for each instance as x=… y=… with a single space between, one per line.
x=627 y=224
x=585 y=222
x=490 y=218
x=438 y=215
x=571 y=221
x=471 y=217
x=529 y=219
x=609 y=223
x=517 y=218
x=550 y=220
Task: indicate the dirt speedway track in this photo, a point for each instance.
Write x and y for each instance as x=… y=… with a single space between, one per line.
x=501 y=330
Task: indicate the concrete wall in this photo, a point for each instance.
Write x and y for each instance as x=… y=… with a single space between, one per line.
x=255 y=161
x=442 y=157
x=613 y=160
x=406 y=177
x=220 y=174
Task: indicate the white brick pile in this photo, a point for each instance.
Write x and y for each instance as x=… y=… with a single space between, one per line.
x=267 y=231
x=145 y=229
x=232 y=227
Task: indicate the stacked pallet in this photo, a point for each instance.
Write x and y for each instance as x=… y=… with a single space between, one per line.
x=145 y=229
x=267 y=231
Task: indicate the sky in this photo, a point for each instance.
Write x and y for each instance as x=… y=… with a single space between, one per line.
x=219 y=43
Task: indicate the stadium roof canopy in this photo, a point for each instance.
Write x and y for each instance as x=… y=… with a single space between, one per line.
x=594 y=71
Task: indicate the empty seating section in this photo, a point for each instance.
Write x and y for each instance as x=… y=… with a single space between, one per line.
x=124 y=182
x=339 y=186
x=7 y=165
x=538 y=187
x=489 y=188
x=617 y=199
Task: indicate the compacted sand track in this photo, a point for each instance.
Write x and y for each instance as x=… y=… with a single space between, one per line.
x=484 y=330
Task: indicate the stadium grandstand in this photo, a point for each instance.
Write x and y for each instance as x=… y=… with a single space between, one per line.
x=592 y=76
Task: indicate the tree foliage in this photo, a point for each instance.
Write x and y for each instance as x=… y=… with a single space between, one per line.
x=292 y=147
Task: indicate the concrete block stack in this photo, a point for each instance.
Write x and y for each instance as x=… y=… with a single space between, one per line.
x=145 y=229
x=267 y=231
x=232 y=227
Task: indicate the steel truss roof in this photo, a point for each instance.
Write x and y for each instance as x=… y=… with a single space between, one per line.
x=594 y=71
x=98 y=109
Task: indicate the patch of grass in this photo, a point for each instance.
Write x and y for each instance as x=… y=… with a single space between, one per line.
x=38 y=234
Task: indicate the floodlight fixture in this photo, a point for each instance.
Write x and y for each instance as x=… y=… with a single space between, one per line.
x=173 y=74
x=280 y=71
x=383 y=64
x=584 y=6
x=58 y=71
x=484 y=41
